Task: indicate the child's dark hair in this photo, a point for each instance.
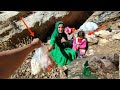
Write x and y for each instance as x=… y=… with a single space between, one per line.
x=81 y=33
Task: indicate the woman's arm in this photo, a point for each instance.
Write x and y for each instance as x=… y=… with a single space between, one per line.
x=11 y=60
x=50 y=48
x=52 y=43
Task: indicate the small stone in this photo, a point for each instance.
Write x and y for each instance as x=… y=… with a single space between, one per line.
x=77 y=77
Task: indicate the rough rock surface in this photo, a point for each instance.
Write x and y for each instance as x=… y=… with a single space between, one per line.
x=105 y=66
x=40 y=22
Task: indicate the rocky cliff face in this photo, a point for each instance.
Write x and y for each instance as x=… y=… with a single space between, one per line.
x=102 y=43
x=112 y=18
x=40 y=22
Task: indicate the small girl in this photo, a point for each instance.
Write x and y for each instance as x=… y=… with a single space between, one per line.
x=80 y=44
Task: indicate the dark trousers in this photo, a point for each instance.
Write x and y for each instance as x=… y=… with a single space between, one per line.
x=78 y=53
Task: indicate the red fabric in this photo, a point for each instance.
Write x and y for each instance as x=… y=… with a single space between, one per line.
x=78 y=46
x=79 y=40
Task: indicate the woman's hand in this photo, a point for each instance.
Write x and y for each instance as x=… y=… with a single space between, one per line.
x=63 y=40
x=50 y=48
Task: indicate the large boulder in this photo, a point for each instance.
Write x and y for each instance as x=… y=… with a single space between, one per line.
x=102 y=33
x=92 y=39
x=103 y=42
x=94 y=63
x=116 y=36
x=106 y=63
x=112 y=18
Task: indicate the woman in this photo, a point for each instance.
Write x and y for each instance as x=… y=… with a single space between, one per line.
x=59 y=49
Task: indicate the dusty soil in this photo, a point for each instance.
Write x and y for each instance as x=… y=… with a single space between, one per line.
x=75 y=67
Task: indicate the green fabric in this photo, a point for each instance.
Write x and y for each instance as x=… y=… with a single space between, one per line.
x=85 y=70
x=56 y=33
x=62 y=56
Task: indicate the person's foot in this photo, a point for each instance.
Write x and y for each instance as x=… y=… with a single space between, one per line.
x=84 y=56
x=81 y=57
x=65 y=68
x=62 y=73
x=78 y=58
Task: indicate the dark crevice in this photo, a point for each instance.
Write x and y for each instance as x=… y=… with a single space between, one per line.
x=6 y=32
x=22 y=14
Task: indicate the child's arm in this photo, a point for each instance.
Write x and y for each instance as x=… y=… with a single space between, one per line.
x=83 y=44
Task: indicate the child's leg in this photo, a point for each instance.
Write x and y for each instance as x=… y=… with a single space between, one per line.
x=78 y=50
x=78 y=53
x=62 y=73
x=82 y=52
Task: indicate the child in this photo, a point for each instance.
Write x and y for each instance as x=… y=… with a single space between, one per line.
x=80 y=44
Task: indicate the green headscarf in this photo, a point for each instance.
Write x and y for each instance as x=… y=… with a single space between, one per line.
x=56 y=33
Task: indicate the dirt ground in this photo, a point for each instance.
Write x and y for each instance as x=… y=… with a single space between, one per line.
x=110 y=48
x=24 y=71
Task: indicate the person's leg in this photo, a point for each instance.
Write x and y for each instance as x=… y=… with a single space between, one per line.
x=62 y=73
x=82 y=52
x=70 y=43
x=78 y=53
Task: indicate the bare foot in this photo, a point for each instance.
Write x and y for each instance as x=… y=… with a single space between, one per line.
x=62 y=73
x=65 y=68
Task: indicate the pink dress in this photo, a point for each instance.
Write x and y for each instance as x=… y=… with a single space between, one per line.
x=80 y=45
